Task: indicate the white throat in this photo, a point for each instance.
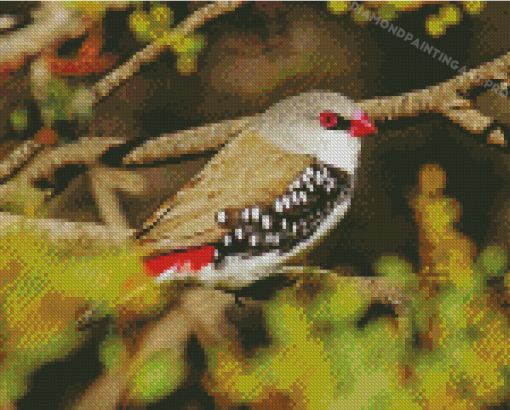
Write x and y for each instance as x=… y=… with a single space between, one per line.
x=294 y=125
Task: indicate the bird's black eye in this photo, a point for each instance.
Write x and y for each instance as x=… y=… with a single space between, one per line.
x=332 y=121
x=342 y=124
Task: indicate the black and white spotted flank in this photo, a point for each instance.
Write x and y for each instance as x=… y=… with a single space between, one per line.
x=290 y=219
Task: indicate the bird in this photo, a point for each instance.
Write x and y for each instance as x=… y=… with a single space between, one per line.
x=280 y=182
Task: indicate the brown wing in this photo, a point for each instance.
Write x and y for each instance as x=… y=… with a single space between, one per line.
x=249 y=170
x=193 y=141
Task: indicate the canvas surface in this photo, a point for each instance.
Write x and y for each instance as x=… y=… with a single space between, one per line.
x=254 y=205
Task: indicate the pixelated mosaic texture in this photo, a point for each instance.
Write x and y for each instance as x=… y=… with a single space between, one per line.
x=404 y=304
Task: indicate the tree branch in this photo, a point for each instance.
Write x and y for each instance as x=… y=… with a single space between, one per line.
x=18 y=157
x=442 y=98
x=105 y=183
x=58 y=231
x=149 y=53
x=200 y=312
x=53 y=21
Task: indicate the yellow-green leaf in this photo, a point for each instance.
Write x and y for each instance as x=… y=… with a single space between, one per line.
x=154 y=377
x=187 y=63
x=339 y=7
x=163 y=15
x=140 y=25
x=19 y=120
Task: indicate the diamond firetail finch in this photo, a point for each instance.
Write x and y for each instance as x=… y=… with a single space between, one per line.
x=279 y=183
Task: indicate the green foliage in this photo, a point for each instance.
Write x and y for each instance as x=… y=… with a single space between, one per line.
x=186 y=63
x=21 y=198
x=436 y=25
x=156 y=376
x=63 y=103
x=398 y=270
x=492 y=262
x=474 y=7
x=91 y=9
x=58 y=102
x=113 y=353
x=449 y=15
x=13 y=382
x=155 y=26
x=388 y=11
x=339 y=7
x=82 y=103
x=339 y=303
x=19 y=120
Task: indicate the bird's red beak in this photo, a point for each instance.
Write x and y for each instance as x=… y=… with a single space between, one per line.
x=361 y=124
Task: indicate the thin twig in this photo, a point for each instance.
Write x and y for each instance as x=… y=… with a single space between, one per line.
x=497 y=137
x=52 y=22
x=204 y=311
x=440 y=98
x=85 y=151
x=149 y=53
x=18 y=157
x=105 y=393
x=206 y=14
x=105 y=183
x=57 y=230
x=125 y=71
x=107 y=200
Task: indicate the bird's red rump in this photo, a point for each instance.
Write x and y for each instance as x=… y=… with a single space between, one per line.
x=196 y=258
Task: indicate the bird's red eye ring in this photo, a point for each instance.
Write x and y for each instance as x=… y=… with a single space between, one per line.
x=328 y=119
